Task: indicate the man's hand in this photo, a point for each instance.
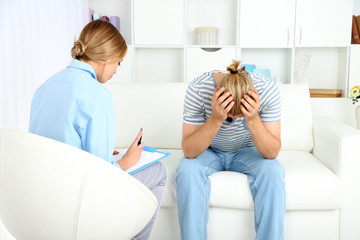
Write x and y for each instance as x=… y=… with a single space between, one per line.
x=250 y=105
x=133 y=154
x=221 y=104
x=266 y=136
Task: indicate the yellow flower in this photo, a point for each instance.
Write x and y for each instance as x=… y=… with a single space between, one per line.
x=355 y=91
x=354 y=94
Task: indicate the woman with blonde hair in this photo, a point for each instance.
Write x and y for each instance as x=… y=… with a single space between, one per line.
x=75 y=108
x=231 y=122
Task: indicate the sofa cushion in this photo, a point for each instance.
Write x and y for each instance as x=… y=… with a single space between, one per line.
x=296 y=117
x=310 y=185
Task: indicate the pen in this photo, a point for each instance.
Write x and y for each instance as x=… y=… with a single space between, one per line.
x=139 y=142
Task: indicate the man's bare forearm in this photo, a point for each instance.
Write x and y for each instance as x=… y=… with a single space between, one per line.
x=197 y=142
x=266 y=143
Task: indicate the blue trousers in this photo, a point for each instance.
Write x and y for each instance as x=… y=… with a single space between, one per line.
x=266 y=178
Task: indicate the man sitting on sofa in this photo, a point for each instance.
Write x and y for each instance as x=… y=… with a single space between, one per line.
x=231 y=123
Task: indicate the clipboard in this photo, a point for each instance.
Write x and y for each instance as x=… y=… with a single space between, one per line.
x=148 y=157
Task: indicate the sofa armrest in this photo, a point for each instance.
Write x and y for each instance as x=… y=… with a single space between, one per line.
x=337 y=145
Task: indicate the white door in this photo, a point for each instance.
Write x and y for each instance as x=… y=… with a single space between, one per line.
x=265 y=23
x=323 y=23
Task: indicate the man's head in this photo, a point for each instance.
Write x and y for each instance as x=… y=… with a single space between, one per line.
x=238 y=83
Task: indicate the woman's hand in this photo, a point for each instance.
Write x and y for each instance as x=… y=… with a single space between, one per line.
x=133 y=154
x=221 y=104
x=250 y=105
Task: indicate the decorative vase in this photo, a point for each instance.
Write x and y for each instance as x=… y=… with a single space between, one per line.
x=357 y=115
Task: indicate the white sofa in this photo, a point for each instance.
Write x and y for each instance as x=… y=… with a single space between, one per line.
x=320 y=156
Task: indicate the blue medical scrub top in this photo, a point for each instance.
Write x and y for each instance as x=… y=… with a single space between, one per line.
x=74 y=108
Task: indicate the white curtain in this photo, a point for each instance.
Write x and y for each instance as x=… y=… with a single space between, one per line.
x=35 y=41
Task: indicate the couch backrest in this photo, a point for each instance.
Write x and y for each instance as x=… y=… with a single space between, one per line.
x=296 y=117
x=158 y=108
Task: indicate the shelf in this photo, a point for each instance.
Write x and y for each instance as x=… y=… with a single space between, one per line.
x=122 y=9
x=199 y=61
x=158 y=65
x=325 y=93
x=321 y=67
x=158 y=46
x=212 y=46
x=278 y=61
x=205 y=13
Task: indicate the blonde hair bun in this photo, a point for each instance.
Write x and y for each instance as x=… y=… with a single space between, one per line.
x=78 y=50
x=238 y=83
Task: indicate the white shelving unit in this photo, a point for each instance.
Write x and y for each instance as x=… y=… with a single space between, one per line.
x=323 y=23
x=267 y=24
x=222 y=14
x=323 y=68
x=158 y=64
x=158 y=22
x=278 y=60
x=298 y=40
x=199 y=61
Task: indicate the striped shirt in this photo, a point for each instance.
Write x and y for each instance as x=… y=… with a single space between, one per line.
x=234 y=135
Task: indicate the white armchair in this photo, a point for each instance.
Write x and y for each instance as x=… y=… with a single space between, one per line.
x=50 y=190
